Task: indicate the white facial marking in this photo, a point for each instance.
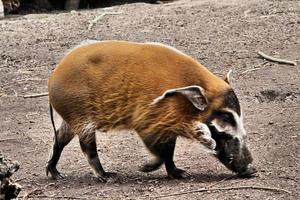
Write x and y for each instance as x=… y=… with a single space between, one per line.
x=237 y=131
x=205 y=136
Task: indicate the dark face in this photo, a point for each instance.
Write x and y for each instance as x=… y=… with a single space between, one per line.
x=234 y=155
x=227 y=130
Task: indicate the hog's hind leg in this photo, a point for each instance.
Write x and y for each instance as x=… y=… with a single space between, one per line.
x=63 y=136
x=89 y=148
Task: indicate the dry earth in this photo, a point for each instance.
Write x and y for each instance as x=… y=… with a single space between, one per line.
x=222 y=35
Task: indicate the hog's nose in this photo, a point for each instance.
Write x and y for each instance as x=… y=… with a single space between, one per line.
x=247 y=172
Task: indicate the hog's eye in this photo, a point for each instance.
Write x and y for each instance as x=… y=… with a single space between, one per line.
x=226 y=117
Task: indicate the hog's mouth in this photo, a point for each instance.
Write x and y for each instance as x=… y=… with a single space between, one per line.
x=247 y=172
x=234 y=155
x=238 y=164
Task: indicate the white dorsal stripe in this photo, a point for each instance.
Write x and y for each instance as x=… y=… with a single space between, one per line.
x=166 y=46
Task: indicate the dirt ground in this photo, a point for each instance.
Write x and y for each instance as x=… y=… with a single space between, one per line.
x=222 y=35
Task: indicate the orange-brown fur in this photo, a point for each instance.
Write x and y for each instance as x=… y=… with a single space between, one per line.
x=113 y=83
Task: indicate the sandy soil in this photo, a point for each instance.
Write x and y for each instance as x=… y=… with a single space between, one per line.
x=221 y=36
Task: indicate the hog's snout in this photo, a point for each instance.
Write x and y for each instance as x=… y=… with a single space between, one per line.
x=248 y=171
x=235 y=155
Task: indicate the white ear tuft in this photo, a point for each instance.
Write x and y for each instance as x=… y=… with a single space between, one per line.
x=227 y=78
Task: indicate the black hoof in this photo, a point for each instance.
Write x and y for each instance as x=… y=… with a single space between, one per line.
x=54 y=173
x=178 y=174
x=149 y=167
x=108 y=177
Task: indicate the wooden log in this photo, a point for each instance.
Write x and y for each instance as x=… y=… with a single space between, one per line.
x=8 y=189
x=1 y=9
x=11 y=6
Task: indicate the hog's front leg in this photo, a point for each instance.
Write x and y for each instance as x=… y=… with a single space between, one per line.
x=204 y=136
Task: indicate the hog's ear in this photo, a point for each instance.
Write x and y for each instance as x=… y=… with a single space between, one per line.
x=195 y=94
x=227 y=78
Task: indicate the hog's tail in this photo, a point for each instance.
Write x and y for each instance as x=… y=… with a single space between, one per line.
x=52 y=119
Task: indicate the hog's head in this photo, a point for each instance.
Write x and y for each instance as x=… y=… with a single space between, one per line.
x=222 y=129
x=226 y=127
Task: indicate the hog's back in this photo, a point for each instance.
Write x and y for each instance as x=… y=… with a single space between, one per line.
x=113 y=82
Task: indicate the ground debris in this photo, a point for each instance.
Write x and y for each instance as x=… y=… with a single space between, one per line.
x=225 y=188
x=279 y=60
x=35 y=95
x=97 y=18
x=8 y=188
